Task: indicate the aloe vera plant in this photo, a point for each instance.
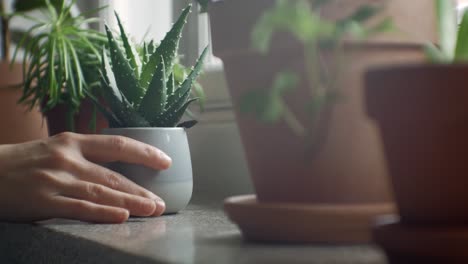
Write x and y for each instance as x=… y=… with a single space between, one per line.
x=140 y=88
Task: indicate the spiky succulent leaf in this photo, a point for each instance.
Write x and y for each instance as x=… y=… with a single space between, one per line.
x=144 y=53
x=130 y=51
x=111 y=118
x=167 y=49
x=151 y=47
x=118 y=103
x=171 y=117
x=181 y=94
x=154 y=100
x=134 y=105
x=109 y=78
x=170 y=84
x=124 y=74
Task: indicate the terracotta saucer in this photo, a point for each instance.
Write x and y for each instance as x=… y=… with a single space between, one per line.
x=421 y=244
x=304 y=223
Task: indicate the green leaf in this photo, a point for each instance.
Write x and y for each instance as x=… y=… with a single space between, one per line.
x=170 y=85
x=121 y=107
x=359 y=31
x=447 y=26
x=434 y=54
x=461 y=51
x=154 y=101
x=284 y=82
x=295 y=17
x=28 y=5
x=124 y=74
x=167 y=49
x=182 y=93
x=384 y=25
x=268 y=105
x=111 y=118
x=151 y=47
x=144 y=53
x=362 y=14
x=188 y=124
x=129 y=49
x=171 y=117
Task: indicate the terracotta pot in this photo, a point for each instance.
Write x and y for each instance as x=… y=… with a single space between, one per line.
x=18 y=124
x=349 y=168
x=57 y=119
x=423 y=118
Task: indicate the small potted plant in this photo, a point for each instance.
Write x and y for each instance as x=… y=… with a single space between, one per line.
x=22 y=125
x=422 y=114
x=145 y=102
x=61 y=61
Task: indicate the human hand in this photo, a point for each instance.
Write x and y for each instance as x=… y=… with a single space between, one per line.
x=59 y=178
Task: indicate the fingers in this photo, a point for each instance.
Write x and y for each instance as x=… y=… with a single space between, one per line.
x=105 y=148
x=99 y=194
x=87 y=211
x=91 y=172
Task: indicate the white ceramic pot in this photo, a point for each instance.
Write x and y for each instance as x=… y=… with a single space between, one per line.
x=174 y=185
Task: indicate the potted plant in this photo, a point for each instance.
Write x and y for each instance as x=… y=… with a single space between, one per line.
x=421 y=112
x=60 y=63
x=420 y=109
x=310 y=150
x=145 y=102
x=22 y=125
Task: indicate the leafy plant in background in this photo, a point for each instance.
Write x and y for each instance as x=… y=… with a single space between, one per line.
x=61 y=58
x=453 y=39
x=140 y=91
x=6 y=15
x=302 y=19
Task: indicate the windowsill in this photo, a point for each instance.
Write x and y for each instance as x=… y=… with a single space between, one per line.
x=200 y=234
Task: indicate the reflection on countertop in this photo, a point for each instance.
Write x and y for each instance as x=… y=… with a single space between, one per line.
x=199 y=234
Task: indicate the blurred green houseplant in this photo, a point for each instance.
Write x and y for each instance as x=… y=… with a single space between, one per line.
x=18 y=6
x=303 y=20
x=61 y=56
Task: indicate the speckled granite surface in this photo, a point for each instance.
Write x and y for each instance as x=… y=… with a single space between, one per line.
x=200 y=234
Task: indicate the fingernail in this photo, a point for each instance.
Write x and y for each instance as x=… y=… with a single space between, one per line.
x=165 y=157
x=160 y=206
x=149 y=207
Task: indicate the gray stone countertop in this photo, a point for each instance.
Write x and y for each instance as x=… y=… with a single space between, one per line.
x=200 y=234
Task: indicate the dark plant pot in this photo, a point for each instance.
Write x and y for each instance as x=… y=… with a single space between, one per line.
x=18 y=124
x=349 y=168
x=423 y=118
x=57 y=119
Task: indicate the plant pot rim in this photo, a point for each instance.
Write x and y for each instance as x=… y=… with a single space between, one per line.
x=407 y=92
x=146 y=128
x=416 y=67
